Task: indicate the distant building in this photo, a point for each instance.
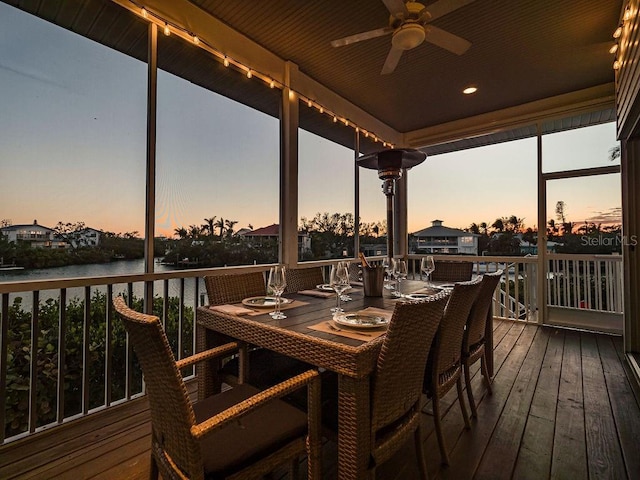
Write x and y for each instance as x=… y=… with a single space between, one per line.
x=37 y=236
x=440 y=239
x=87 y=237
x=272 y=233
x=528 y=248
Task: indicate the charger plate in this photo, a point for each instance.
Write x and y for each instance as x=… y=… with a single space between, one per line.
x=361 y=320
x=265 y=302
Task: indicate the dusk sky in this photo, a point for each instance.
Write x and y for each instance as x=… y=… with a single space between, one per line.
x=72 y=136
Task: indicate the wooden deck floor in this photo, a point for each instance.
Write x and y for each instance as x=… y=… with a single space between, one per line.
x=562 y=408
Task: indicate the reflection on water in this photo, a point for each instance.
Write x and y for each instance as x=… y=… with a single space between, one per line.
x=122 y=267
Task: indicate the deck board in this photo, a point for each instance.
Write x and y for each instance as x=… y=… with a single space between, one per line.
x=569 y=458
x=604 y=456
x=563 y=407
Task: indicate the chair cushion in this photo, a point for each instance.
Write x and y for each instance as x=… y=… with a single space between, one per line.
x=250 y=438
x=266 y=368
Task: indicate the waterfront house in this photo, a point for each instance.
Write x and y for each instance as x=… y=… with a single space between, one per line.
x=439 y=238
x=36 y=236
x=563 y=403
x=271 y=235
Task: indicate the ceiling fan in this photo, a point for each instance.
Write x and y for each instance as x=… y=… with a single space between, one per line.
x=409 y=24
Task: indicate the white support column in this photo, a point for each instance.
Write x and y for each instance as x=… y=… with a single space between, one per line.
x=150 y=209
x=289 y=121
x=541 y=274
x=356 y=195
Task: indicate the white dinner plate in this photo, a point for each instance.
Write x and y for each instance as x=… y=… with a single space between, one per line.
x=264 y=302
x=361 y=320
x=417 y=296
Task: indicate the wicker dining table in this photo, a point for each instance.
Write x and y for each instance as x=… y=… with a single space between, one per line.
x=353 y=359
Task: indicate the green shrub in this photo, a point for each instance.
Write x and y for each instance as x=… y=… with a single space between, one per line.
x=48 y=358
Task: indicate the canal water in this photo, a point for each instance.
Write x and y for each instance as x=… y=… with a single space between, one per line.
x=121 y=267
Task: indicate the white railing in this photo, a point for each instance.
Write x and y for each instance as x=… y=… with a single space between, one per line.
x=515 y=297
x=591 y=282
x=97 y=365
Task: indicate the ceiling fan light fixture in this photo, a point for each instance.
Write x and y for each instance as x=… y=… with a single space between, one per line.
x=408 y=36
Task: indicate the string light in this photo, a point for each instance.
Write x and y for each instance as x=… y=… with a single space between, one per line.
x=169 y=27
x=627 y=14
x=616 y=65
x=614 y=48
x=617 y=32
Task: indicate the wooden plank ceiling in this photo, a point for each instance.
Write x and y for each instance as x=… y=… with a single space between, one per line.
x=521 y=51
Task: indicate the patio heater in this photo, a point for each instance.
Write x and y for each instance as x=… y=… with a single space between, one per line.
x=390 y=164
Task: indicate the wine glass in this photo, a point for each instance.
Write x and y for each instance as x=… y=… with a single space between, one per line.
x=400 y=272
x=339 y=281
x=277 y=283
x=388 y=273
x=427 y=266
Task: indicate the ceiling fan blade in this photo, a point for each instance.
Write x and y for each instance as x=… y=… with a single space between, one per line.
x=396 y=8
x=392 y=61
x=442 y=7
x=446 y=40
x=358 y=37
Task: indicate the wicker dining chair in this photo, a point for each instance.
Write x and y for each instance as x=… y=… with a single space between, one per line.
x=452 y=271
x=473 y=341
x=262 y=367
x=444 y=366
x=398 y=378
x=303 y=279
x=240 y=433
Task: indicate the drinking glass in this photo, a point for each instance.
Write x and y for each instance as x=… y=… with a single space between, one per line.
x=427 y=266
x=277 y=283
x=400 y=272
x=339 y=281
x=388 y=273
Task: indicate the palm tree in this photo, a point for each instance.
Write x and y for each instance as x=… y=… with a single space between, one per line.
x=181 y=232
x=194 y=231
x=220 y=224
x=514 y=224
x=208 y=226
x=229 y=226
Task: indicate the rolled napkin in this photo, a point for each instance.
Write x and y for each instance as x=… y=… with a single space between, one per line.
x=317 y=293
x=232 y=309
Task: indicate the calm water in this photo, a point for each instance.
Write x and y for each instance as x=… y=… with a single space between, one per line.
x=122 y=267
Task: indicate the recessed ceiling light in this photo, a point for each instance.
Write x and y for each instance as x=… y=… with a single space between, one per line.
x=470 y=90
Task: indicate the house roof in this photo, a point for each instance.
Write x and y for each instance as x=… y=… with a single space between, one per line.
x=441 y=231
x=271 y=230
x=25 y=226
x=527 y=59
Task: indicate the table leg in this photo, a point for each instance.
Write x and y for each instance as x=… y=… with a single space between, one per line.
x=206 y=372
x=488 y=341
x=354 y=428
